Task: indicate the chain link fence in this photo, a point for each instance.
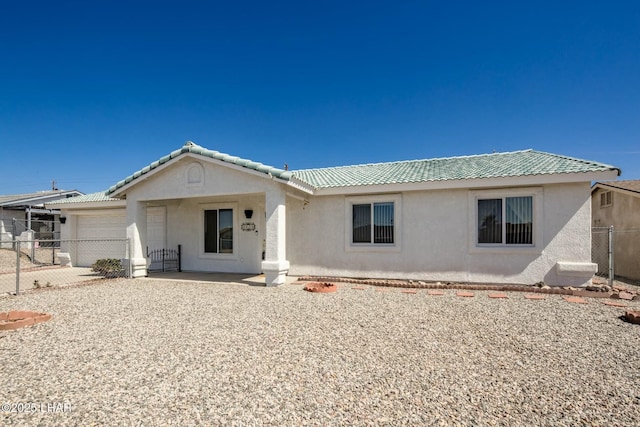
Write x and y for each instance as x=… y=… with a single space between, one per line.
x=617 y=253
x=28 y=263
x=46 y=232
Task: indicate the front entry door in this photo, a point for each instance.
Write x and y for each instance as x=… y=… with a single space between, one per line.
x=156 y=228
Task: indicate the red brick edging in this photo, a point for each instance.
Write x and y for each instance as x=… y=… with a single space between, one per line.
x=19 y=319
x=531 y=289
x=439 y=285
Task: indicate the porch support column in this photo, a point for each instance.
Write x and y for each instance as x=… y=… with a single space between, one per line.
x=137 y=235
x=275 y=266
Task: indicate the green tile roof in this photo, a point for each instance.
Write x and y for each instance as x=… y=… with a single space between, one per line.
x=100 y=196
x=190 y=147
x=496 y=165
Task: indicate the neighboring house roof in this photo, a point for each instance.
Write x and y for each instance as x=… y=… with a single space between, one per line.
x=628 y=186
x=190 y=147
x=496 y=165
x=38 y=198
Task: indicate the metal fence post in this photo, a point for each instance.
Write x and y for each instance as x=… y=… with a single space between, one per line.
x=611 y=251
x=179 y=258
x=18 y=252
x=129 y=243
x=13 y=231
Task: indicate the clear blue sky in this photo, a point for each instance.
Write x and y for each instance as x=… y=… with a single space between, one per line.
x=91 y=91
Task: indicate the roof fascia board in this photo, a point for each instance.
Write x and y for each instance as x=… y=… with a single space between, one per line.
x=300 y=185
x=95 y=211
x=45 y=211
x=107 y=204
x=604 y=186
x=518 y=181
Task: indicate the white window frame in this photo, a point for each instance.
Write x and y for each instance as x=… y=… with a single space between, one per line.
x=349 y=246
x=535 y=193
x=217 y=206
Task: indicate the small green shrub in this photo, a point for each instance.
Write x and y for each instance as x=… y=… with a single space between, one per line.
x=108 y=267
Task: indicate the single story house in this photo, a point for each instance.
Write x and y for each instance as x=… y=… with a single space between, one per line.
x=514 y=217
x=22 y=212
x=617 y=204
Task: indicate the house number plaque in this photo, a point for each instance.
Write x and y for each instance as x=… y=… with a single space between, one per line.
x=248 y=226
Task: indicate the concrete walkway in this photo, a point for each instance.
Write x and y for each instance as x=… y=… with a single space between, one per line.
x=57 y=276
x=194 y=276
x=53 y=276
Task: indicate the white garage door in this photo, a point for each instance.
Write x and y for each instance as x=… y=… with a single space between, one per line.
x=96 y=228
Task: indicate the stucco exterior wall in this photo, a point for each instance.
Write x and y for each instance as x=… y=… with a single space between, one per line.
x=435 y=241
x=624 y=215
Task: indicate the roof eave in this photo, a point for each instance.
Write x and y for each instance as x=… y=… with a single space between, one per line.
x=27 y=200
x=301 y=185
x=119 y=203
x=513 y=181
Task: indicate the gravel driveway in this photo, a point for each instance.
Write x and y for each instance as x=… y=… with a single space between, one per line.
x=145 y=352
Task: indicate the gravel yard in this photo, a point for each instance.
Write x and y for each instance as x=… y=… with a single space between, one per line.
x=145 y=352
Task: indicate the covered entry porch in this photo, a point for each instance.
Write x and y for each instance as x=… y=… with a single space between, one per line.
x=225 y=234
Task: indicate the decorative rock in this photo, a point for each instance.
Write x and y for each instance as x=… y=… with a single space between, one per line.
x=626 y=296
x=633 y=316
x=283 y=357
x=321 y=287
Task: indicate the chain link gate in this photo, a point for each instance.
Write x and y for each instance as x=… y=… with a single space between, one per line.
x=602 y=251
x=617 y=253
x=27 y=264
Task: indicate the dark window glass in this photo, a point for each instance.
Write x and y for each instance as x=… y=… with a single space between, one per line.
x=362 y=223
x=211 y=231
x=490 y=221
